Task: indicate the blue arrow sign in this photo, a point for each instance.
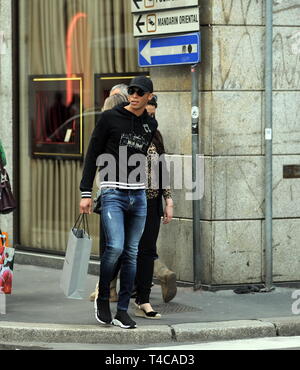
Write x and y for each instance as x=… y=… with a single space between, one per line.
x=172 y=50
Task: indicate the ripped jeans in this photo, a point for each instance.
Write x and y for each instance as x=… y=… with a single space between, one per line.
x=123 y=216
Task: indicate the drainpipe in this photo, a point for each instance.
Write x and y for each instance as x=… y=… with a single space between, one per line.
x=268 y=144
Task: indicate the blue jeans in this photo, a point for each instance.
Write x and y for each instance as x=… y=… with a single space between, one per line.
x=123 y=216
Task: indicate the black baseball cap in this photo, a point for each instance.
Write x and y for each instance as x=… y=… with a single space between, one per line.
x=143 y=83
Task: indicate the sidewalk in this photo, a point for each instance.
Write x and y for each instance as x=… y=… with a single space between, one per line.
x=38 y=311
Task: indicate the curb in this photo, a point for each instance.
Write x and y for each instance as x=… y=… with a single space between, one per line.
x=225 y=330
x=285 y=326
x=88 y=334
x=179 y=333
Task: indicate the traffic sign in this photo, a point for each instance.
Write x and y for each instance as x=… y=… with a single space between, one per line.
x=172 y=50
x=150 y=5
x=166 y=22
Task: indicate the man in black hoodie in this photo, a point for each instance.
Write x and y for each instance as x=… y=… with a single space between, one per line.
x=120 y=134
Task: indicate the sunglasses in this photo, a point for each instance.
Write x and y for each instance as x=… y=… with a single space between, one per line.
x=139 y=91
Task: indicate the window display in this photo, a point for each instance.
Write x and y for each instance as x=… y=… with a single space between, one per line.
x=56 y=122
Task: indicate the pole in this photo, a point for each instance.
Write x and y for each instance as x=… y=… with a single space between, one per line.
x=195 y=153
x=268 y=144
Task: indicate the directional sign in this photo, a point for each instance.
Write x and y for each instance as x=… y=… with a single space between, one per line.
x=180 y=49
x=150 y=5
x=173 y=21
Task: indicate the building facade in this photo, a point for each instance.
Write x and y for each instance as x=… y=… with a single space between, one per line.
x=73 y=51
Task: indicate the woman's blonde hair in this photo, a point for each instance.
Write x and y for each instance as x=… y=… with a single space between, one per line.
x=113 y=100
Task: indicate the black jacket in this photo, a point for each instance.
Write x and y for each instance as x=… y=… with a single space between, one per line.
x=117 y=131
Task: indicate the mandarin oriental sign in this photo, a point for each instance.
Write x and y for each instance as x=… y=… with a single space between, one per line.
x=166 y=22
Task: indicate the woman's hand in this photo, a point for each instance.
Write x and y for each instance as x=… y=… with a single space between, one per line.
x=168 y=211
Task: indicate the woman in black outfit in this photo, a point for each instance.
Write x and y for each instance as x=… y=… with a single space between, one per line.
x=147 y=247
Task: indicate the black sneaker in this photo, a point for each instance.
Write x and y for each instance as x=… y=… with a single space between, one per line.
x=123 y=320
x=102 y=311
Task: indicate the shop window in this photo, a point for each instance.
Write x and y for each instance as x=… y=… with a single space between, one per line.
x=63 y=44
x=56 y=120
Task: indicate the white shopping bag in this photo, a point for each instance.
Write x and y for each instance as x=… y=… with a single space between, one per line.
x=75 y=269
x=2 y=303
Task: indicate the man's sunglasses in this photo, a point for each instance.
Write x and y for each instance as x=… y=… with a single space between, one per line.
x=139 y=91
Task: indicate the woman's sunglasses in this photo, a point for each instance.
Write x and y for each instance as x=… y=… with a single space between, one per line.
x=139 y=91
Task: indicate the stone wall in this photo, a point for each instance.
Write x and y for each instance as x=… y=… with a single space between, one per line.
x=6 y=114
x=232 y=140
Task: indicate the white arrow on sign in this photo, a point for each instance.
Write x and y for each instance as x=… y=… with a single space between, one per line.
x=148 y=52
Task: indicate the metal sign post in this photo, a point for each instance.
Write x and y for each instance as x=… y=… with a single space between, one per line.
x=195 y=153
x=268 y=147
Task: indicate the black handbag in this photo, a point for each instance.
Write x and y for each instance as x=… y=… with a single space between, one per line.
x=7 y=200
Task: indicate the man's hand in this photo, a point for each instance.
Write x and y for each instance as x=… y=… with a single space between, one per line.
x=86 y=205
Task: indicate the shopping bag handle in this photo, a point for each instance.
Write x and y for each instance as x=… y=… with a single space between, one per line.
x=86 y=224
x=82 y=220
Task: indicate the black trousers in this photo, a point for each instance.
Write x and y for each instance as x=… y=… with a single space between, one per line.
x=147 y=251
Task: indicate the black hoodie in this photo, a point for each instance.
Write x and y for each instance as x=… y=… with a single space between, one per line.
x=118 y=134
